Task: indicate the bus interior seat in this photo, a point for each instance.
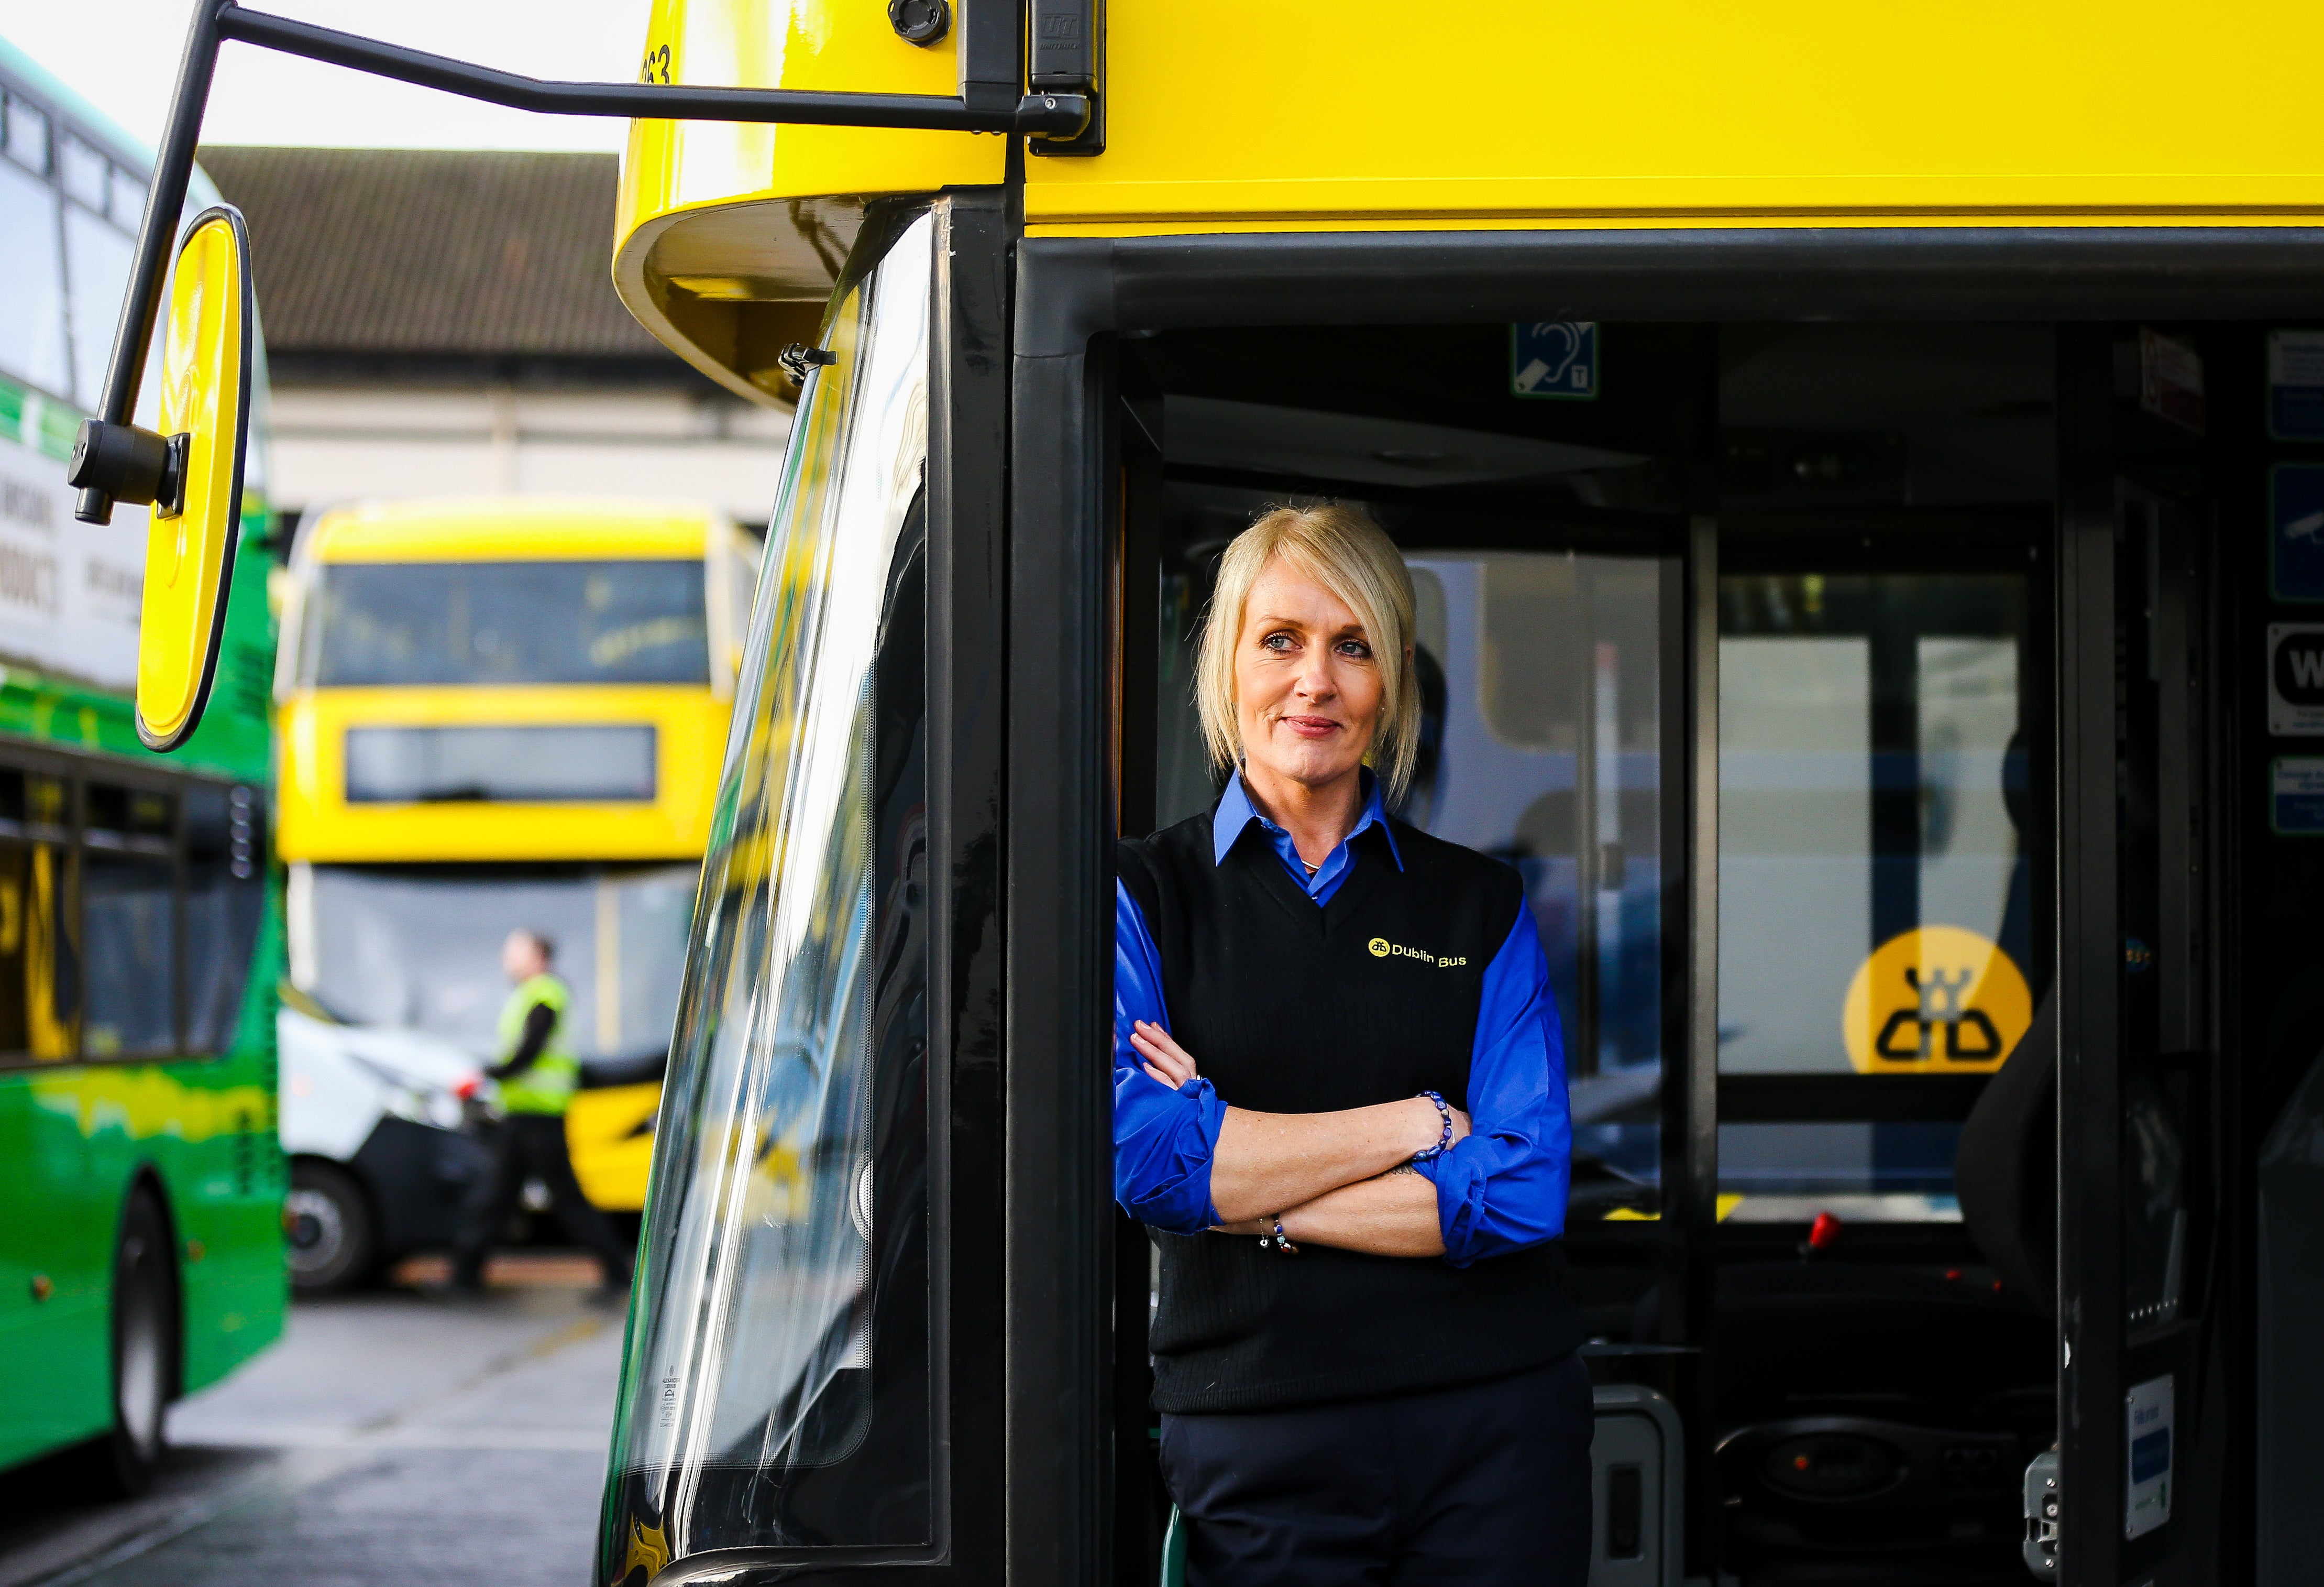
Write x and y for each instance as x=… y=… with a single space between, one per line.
x=1874 y=1418
x=2004 y=1170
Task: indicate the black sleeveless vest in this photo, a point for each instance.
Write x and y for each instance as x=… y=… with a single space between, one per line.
x=1291 y=1009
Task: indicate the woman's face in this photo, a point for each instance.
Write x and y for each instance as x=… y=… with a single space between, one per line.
x=1308 y=692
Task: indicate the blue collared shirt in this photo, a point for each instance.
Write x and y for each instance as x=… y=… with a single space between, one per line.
x=1235 y=814
x=1501 y=1189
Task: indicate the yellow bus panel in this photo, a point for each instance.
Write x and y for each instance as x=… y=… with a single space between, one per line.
x=1694 y=114
x=318 y=823
x=609 y=1132
x=714 y=251
x=1223 y=115
x=510 y=529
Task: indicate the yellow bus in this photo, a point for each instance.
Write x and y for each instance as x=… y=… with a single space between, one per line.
x=493 y=713
x=1862 y=473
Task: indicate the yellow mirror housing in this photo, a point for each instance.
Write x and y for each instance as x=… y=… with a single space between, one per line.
x=205 y=417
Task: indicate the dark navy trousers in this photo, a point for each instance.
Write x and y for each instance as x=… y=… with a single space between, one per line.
x=1486 y=1485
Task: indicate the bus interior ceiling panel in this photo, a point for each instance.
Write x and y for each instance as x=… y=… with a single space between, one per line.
x=1070 y=288
x=1885 y=494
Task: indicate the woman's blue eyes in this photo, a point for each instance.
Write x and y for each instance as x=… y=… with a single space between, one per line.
x=1281 y=642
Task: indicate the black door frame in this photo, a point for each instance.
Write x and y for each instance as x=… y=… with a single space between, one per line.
x=2091 y=1322
x=968 y=603
x=1072 y=294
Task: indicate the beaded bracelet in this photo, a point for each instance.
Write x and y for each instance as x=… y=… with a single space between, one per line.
x=1279 y=1243
x=1442 y=1140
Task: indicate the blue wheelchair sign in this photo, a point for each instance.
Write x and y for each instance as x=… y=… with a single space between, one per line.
x=1555 y=358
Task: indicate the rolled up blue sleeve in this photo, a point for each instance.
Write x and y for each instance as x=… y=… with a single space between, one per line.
x=1162 y=1139
x=1503 y=1187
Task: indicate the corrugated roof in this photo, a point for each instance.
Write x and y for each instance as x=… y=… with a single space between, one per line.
x=423 y=252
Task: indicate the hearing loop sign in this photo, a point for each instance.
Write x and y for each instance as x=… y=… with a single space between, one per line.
x=1555 y=358
x=1935 y=999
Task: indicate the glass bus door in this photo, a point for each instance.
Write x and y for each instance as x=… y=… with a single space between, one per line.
x=813 y=1366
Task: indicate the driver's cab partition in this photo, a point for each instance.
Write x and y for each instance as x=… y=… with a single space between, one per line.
x=1775 y=658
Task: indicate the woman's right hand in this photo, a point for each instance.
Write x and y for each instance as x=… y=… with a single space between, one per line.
x=1166 y=1061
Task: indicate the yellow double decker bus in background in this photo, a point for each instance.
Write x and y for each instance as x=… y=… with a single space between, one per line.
x=494 y=714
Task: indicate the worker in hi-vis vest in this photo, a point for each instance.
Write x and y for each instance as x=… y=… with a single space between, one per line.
x=537 y=1076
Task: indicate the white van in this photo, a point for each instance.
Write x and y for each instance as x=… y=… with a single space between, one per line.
x=371 y=1122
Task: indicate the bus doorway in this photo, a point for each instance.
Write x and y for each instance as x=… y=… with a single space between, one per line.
x=1872 y=709
x=1751 y=656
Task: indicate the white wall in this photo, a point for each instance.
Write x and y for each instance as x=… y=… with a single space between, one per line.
x=338 y=443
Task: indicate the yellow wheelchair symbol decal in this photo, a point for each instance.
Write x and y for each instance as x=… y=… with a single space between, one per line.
x=1939 y=1000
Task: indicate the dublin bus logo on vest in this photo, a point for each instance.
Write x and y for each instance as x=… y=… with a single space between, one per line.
x=1383 y=949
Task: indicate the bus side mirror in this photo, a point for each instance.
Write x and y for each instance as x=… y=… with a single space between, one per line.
x=190 y=472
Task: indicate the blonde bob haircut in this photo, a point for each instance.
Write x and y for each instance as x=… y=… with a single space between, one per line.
x=1343 y=550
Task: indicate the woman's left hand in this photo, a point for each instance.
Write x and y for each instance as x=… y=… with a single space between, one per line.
x=1166 y=1060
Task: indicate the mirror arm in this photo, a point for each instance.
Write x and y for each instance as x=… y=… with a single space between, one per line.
x=129 y=463
x=1050 y=115
x=165 y=200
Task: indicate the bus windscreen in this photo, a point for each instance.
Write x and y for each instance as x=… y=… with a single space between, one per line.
x=420 y=623
x=603 y=763
x=419 y=947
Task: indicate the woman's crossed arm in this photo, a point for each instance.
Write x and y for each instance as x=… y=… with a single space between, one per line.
x=1327 y=1164
x=1394 y=1214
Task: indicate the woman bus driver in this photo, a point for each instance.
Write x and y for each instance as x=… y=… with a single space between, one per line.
x=1340 y=1101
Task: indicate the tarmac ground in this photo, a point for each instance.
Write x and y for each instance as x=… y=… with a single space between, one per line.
x=398 y=1436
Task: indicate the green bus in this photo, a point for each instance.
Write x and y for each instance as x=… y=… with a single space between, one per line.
x=140 y=1182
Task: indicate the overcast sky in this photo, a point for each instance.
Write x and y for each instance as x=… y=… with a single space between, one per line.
x=122 y=55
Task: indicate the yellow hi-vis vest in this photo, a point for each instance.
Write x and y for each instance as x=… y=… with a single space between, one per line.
x=547 y=1083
